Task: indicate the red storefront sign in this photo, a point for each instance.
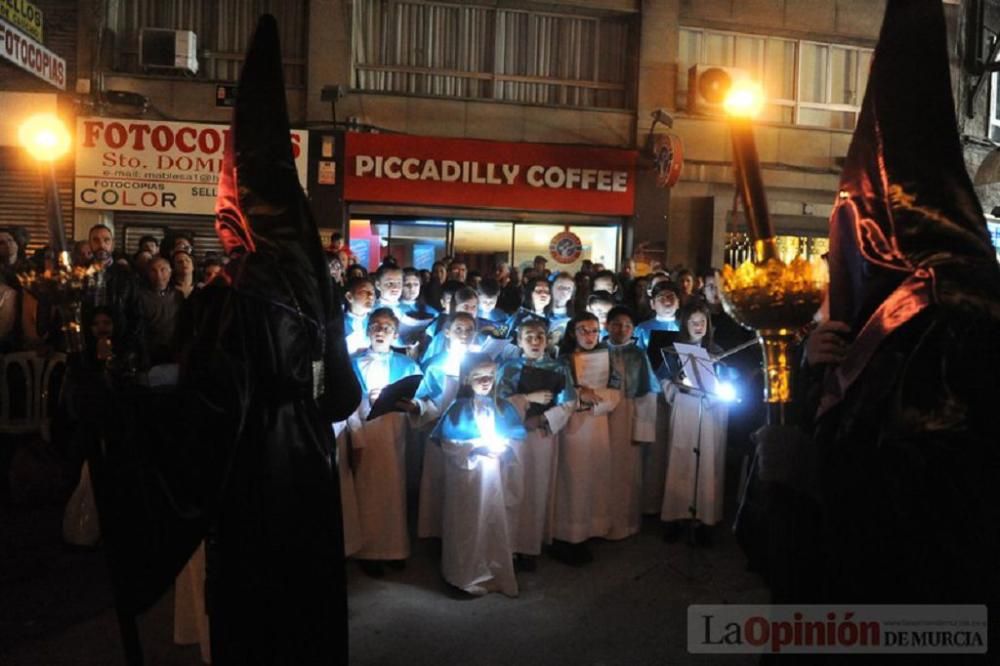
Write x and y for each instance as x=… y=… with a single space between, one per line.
x=474 y=173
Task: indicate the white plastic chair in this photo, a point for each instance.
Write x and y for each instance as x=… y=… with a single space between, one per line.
x=20 y=372
x=50 y=392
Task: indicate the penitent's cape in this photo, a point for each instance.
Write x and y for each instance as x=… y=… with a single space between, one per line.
x=899 y=501
x=242 y=454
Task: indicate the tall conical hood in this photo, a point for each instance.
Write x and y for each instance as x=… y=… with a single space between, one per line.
x=259 y=197
x=906 y=201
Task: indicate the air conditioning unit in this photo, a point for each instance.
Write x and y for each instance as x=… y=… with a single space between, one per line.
x=168 y=49
x=708 y=85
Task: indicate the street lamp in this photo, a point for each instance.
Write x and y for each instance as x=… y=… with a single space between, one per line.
x=60 y=285
x=46 y=139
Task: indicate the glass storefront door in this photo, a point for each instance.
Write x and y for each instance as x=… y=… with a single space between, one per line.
x=482 y=244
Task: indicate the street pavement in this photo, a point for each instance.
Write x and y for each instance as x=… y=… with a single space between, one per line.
x=628 y=607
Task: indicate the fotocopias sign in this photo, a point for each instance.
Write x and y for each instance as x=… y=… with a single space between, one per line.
x=29 y=55
x=155 y=167
x=489 y=174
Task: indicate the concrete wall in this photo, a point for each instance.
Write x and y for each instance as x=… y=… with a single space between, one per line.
x=843 y=21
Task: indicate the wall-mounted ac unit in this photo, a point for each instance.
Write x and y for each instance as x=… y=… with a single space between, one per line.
x=168 y=49
x=708 y=85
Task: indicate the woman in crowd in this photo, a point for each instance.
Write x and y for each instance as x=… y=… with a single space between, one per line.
x=360 y=297
x=633 y=421
x=562 y=308
x=535 y=305
x=183 y=272
x=582 y=493
x=693 y=490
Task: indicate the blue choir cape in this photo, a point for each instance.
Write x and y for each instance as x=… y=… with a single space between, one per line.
x=509 y=376
x=521 y=315
x=400 y=366
x=643 y=330
x=438 y=346
x=494 y=317
x=558 y=321
x=459 y=423
x=396 y=308
x=631 y=371
x=436 y=373
x=418 y=307
x=355 y=332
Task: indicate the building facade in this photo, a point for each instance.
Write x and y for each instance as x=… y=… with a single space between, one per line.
x=546 y=108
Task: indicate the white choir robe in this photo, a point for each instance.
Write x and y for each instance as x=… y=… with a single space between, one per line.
x=679 y=489
x=654 y=460
x=632 y=421
x=476 y=549
x=348 y=497
x=536 y=454
x=380 y=476
x=190 y=618
x=581 y=504
x=434 y=396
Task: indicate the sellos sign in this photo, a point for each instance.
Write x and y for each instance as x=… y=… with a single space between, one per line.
x=475 y=173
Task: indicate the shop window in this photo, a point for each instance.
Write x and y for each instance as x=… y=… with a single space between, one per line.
x=417 y=243
x=994 y=122
x=479 y=52
x=600 y=245
x=483 y=245
x=223 y=28
x=807 y=83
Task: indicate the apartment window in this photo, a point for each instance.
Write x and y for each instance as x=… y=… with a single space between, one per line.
x=806 y=82
x=223 y=28
x=529 y=57
x=994 y=123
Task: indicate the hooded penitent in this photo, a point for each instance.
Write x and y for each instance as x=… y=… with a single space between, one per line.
x=271 y=367
x=891 y=495
x=906 y=215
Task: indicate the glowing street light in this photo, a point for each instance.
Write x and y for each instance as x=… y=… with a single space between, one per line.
x=45 y=137
x=744 y=100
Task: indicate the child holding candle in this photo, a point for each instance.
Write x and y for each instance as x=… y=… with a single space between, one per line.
x=475 y=435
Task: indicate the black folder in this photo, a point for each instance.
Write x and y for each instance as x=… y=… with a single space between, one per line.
x=539 y=379
x=658 y=341
x=404 y=389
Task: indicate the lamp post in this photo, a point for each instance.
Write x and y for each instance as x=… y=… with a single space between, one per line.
x=742 y=104
x=46 y=139
x=61 y=285
x=765 y=294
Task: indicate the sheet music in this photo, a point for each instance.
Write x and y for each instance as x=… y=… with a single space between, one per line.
x=492 y=347
x=697 y=366
x=411 y=328
x=592 y=369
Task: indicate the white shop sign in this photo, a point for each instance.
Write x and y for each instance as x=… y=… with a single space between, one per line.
x=155 y=167
x=31 y=56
